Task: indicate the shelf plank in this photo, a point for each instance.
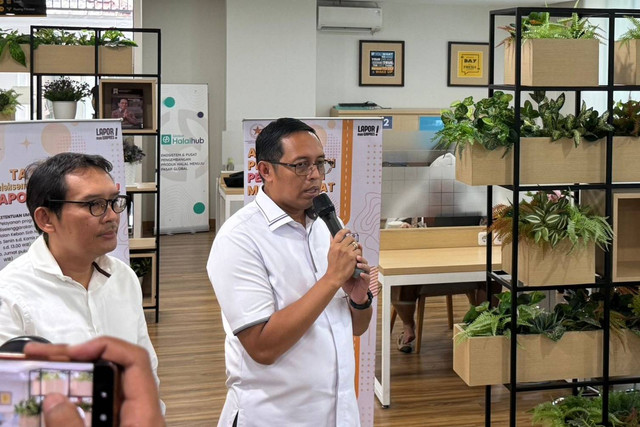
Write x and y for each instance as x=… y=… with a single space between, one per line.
x=142 y=187
x=142 y=243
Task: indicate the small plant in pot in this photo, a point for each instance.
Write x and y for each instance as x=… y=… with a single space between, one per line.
x=141 y=266
x=29 y=412
x=133 y=155
x=65 y=93
x=8 y=104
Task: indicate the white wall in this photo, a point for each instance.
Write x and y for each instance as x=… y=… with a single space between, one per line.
x=271 y=64
x=193 y=51
x=425 y=29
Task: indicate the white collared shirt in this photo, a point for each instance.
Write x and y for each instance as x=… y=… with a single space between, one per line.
x=260 y=262
x=37 y=299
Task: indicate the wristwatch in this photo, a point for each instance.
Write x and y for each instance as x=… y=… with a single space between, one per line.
x=365 y=305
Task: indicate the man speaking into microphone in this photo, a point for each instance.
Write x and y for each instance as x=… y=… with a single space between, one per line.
x=290 y=302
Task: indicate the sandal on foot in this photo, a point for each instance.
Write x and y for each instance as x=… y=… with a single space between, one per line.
x=405 y=347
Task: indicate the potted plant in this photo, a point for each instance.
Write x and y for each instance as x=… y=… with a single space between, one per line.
x=8 y=104
x=28 y=411
x=580 y=410
x=53 y=382
x=483 y=133
x=64 y=93
x=86 y=409
x=554 y=53
x=626 y=147
x=141 y=266
x=551 y=222
x=627 y=55
x=133 y=155
x=63 y=52
x=566 y=343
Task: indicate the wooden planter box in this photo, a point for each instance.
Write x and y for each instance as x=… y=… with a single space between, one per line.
x=541 y=162
x=627 y=63
x=485 y=360
x=626 y=158
x=555 y=267
x=554 y=62
x=72 y=60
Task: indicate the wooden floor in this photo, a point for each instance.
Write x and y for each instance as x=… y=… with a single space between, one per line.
x=189 y=341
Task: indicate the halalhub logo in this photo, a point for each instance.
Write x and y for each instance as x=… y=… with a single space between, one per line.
x=168 y=139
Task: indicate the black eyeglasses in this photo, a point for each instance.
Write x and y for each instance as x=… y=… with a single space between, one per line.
x=98 y=207
x=304 y=168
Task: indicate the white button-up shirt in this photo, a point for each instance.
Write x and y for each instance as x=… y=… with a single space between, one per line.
x=260 y=262
x=37 y=299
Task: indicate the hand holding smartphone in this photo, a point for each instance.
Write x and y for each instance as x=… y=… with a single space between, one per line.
x=133 y=385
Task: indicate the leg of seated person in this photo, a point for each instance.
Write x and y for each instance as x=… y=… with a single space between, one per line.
x=404 y=299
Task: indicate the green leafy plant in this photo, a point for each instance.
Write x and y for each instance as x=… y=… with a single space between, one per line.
x=490 y=122
x=538 y=25
x=83 y=376
x=588 y=124
x=12 y=40
x=626 y=118
x=141 y=266
x=550 y=218
x=632 y=33
x=583 y=411
x=8 y=101
x=54 y=36
x=132 y=153
x=85 y=406
x=65 y=89
x=27 y=407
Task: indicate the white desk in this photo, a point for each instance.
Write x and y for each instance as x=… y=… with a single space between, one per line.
x=226 y=196
x=398 y=267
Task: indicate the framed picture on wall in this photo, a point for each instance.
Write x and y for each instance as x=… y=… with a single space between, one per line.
x=5 y=398
x=381 y=63
x=468 y=64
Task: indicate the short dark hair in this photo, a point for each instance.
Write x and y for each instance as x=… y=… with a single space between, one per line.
x=46 y=179
x=269 y=141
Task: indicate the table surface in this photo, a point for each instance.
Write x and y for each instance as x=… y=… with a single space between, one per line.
x=398 y=262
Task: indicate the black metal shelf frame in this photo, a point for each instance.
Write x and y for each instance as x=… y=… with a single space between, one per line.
x=97 y=76
x=605 y=282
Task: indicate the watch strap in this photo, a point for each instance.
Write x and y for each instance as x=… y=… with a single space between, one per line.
x=365 y=305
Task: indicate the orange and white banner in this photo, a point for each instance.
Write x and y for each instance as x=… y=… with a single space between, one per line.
x=354 y=186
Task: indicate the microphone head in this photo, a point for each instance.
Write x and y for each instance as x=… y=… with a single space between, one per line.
x=322 y=205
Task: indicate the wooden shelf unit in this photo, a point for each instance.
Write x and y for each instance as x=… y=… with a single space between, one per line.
x=149 y=280
x=626 y=243
x=149 y=97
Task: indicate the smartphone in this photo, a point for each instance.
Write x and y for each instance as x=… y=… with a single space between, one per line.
x=93 y=386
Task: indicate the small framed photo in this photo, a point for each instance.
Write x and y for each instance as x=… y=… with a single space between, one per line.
x=381 y=63
x=468 y=64
x=5 y=398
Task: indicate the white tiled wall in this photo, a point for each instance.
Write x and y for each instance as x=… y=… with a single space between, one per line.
x=431 y=191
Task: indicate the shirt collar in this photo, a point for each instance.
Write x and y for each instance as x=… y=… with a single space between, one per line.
x=274 y=215
x=43 y=260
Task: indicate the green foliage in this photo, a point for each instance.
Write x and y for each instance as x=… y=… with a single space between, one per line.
x=8 y=101
x=27 y=407
x=588 y=124
x=538 y=25
x=65 y=89
x=85 y=406
x=551 y=218
x=53 y=36
x=634 y=32
x=626 y=118
x=140 y=265
x=489 y=122
x=132 y=152
x=83 y=376
x=582 y=411
x=12 y=40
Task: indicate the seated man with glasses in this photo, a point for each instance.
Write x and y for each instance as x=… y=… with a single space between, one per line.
x=289 y=302
x=66 y=288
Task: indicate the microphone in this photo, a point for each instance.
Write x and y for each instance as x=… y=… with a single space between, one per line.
x=325 y=210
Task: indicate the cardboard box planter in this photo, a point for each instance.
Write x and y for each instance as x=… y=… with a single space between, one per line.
x=554 y=62
x=485 y=360
x=541 y=162
x=627 y=63
x=578 y=354
x=56 y=59
x=553 y=267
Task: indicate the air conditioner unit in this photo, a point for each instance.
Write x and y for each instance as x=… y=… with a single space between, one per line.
x=338 y=18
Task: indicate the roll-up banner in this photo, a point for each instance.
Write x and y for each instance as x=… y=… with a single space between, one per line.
x=354 y=186
x=184 y=153
x=22 y=143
